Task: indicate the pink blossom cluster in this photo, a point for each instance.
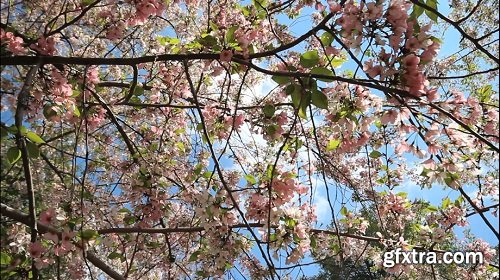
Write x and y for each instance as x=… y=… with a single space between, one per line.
x=479 y=245
x=144 y=9
x=352 y=24
x=60 y=88
x=14 y=43
x=393 y=204
x=394 y=116
x=402 y=32
x=356 y=222
x=235 y=122
x=93 y=75
x=397 y=17
x=37 y=251
x=286 y=187
x=413 y=76
x=301 y=248
x=257 y=208
x=116 y=31
x=253 y=35
x=45 y=46
x=248 y=33
x=62 y=101
x=96 y=118
x=61 y=244
x=226 y=55
x=169 y=77
x=491 y=126
x=278 y=122
x=454 y=215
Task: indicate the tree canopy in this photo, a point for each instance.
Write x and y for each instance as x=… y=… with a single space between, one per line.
x=223 y=139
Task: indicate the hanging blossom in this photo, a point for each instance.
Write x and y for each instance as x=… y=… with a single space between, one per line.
x=145 y=9
x=14 y=43
x=45 y=46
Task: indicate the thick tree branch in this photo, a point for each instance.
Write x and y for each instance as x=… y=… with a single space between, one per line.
x=22 y=105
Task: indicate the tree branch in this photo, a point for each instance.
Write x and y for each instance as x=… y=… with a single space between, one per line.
x=25 y=219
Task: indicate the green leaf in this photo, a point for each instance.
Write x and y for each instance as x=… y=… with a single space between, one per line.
x=180 y=146
x=89 y=234
x=289 y=222
x=87 y=2
x=337 y=62
x=250 y=179
x=124 y=210
x=271 y=129
x=319 y=99
x=207 y=174
x=76 y=112
x=269 y=110
x=402 y=194
x=446 y=202
x=375 y=154
x=138 y=90
x=430 y=14
x=273 y=237
x=291 y=88
x=13 y=155
x=314 y=243
x=3 y=132
x=34 y=137
x=201 y=273
x=305 y=102
x=269 y=171
x=343 y=211
x=380 y=180
x=417 y=11
x=309 y=59
x=208 y=40
x=230 y=34
x=214 y=26
x=76 y=92
x=296 y=96
x=5 y=259
x=22 y=129
x=485 y=93
x=49 y=112
x=326 y=39
x=332 y=145
x=191 y=46
x=168 y=41
x=33 y=150
x=322 y=71
x=114 y=255
x=129 y=220
x=281 y=80
x=228 y=266
x=194 y=256
x=450 y=178
x=154 y=245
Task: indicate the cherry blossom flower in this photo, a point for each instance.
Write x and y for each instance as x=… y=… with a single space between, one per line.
x=14 y=43
x=48 y=216
x=226 y=55
x=36 y=249
x=45 y=46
